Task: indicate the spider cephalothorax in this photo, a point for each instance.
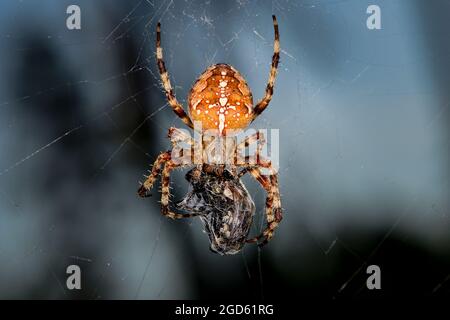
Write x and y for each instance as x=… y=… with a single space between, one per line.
x=221 y=102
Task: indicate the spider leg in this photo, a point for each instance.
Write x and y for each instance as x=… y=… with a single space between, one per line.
x=166 y=160
x=256 y=137
x=273 y=201
x=150 y=179
x=266 y=184
x=165 y=193
x=264 y=102
x=176 y=135
x=173 y=102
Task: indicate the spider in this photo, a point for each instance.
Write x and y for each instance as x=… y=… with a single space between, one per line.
x=221 y=101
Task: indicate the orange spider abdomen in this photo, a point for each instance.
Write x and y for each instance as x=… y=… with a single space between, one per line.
x=221 y=100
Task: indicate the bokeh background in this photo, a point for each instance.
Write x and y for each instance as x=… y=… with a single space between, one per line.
x=364 y=152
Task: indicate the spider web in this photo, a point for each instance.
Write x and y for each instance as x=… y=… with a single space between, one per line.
x=84 y=116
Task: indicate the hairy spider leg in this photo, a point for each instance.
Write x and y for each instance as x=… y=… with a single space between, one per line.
x=163 y=159
x=165 y=193
x=264 y=102
x=269 y=183
x=257 y=137
x=173 y=102
x=267 y=186
x=150 y=179
x=175 y=135
x=273 y=201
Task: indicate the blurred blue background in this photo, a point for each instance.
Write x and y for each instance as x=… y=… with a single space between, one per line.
x=364 y=153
